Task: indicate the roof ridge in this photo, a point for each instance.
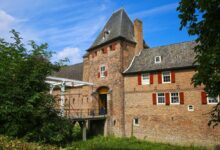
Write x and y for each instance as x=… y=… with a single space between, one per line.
x=121 y=17
x=170 y=44
x=120 y=9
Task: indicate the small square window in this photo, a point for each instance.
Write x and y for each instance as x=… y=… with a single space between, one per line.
x=136 y=122
x=175 y=98
x=166 y=77
x=160 y=98
x=157 y=59
x=145 y=79
x=212 y=100
x=190 y=108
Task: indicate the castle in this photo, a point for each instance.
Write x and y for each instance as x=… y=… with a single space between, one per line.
x=136 y=90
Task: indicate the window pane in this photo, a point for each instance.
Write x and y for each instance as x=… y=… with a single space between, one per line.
x=212 y=100
x=157 y=59
x=145 y=78
x=160 y=98
x=102 y=71
x=175 y=98
x=136 y=121
x=166 y=76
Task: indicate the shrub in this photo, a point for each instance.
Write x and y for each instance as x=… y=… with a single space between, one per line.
x=26 y=108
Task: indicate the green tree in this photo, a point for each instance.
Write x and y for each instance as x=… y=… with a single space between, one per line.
x=26 y=108
x=202 y=19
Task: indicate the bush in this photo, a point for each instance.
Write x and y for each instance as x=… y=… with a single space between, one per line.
x=26 y=108
x=77 y=135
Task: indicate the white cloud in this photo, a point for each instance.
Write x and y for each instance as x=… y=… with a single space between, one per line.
x=9 y=22
x=73 y=54
x=155 y=11
x=6 y=23
x=6 y=20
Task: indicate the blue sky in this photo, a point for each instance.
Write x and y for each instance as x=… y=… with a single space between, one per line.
x=70 y=26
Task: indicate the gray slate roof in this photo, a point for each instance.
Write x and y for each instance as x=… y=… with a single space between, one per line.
x=119 y=25
x=71 y=72
x=173 y=56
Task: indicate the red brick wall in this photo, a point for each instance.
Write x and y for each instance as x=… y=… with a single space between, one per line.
x=172 y=123
x=114 y=81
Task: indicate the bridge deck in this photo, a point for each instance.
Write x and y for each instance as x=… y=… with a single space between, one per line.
x=81 y=118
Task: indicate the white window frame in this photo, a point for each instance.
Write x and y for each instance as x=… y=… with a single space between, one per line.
x=158 y=99
x=189 y=107
x=163 y=77
x=134 y=123
x=171 y=98
x=155 y=59
x=102 y=73
x=212 y=103
x=144 y=81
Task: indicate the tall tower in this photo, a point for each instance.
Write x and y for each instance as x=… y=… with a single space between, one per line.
x=110 y=54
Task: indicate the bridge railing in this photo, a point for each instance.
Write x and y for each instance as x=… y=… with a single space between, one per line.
x=84 y=113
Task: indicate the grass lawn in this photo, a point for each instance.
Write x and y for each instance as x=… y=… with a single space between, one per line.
x=112 y=143
x=97 y=143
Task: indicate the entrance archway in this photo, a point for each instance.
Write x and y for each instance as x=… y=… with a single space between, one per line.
x=102 y=99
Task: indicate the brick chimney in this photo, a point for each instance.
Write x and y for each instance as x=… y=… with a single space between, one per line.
x=138 y=34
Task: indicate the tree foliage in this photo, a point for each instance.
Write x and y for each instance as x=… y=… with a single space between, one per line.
x=202 y=18
x=26 y=108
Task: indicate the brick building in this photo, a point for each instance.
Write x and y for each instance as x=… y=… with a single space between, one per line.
x=137 y=90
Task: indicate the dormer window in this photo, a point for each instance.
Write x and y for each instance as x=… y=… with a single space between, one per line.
x=106 y=33
x=157 y=59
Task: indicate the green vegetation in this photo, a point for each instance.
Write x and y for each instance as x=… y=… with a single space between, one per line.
x=26 y=108
x=17 y=144
x=97 y=143
x=202 y=19
x=112 y=143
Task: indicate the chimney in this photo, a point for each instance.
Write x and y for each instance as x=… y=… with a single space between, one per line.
x=138 y=34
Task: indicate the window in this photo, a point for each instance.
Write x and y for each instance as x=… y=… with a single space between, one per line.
x=94 y=54
x=157 y=59
x=212 y=100
x=160 y=98
x=136 y=122
x=102 y=71
x=106 y=33
x=175 y=98
x=190 y=108
x=110 y=47
x=145 y=79
x=104 y=50
x=166 y=77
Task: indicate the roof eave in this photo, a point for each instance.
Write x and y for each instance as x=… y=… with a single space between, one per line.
x=110 y=41
x=165 y=69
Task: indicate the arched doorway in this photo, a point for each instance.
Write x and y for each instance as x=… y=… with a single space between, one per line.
x=102 y=100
